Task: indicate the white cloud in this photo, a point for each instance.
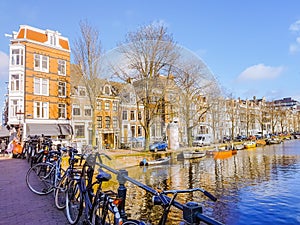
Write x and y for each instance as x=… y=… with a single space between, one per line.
x=260 y=72
x=4 y=59
x=295 y=27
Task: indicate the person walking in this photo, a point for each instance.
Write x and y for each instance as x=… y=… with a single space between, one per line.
x=3 y=147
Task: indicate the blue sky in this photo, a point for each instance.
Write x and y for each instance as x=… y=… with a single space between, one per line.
x=252 y=47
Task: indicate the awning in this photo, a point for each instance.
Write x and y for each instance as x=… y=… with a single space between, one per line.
x=45 y=129
x=4 y=132
x=66 y=129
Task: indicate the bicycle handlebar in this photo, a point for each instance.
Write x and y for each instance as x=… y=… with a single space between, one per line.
x=123 y=176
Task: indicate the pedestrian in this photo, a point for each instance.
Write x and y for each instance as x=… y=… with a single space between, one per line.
x=3 y=147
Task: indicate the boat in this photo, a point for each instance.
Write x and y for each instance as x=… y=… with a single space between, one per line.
x=144 y=162
x=273 y=140
x=222 y=154
x=239 y=147
x=261 y=142
x=193 y=154
x=250 y=144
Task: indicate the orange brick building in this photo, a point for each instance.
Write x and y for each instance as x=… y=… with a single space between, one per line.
x=39 y=82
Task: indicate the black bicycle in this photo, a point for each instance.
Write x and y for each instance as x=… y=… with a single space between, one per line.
x=99 y=208
x=67 y=177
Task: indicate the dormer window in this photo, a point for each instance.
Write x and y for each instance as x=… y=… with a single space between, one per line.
x=53 y=38
x=107 y=90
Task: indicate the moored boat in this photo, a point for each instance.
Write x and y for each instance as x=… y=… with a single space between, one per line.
x=193 y=154
x=250 y=144
x=222 y=154
x=239 y=146
x=144 y=162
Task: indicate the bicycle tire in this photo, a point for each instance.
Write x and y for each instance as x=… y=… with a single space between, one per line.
x=104 y=211
x=40 y=178
x=74 y=202
x=60 y=193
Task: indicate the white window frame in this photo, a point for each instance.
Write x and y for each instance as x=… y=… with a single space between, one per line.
x=17 y=56
x=16 y=82
x=115 y=106
x=15 y=106
x=81 y=91
x=107 y=105
x=75 y=106
x=41 y=110
x=62 y=111
x=89 y=109
x=62 y=87
x=41 y=86
x=61 y=67
x=41 y=63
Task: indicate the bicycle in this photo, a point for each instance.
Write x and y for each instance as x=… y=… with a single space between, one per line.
x=71 y=171
x=192 y=211
x=43 y=178
x=100 y=208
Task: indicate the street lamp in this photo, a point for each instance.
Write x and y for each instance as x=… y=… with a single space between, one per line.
x=19 y=115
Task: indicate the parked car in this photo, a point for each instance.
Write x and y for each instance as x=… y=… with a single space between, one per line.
x=158 y=146
x=241 y=138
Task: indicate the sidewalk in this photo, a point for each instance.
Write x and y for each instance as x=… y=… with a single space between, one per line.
x=18 y=205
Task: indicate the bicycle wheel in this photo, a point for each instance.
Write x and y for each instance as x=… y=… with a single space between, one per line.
x=40 y=178
x=74 y=202
x=60 y=193
x=105 y=212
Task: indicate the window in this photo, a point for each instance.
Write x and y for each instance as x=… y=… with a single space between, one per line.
x=61 y=111
x=61 y=67
x=99 y=104
x=76 y=110
x=41 y=86
x=132 y=115
x=115 y=122
x=140 y=131
x=81 y=91
x=41 y=63
x=132 y=131
x=17 y=57
x=79 y=131
x=87 y=110
x=62 y=89
x=16 y=84
x=124 y=115
x=15 y=107
x=107 y=104
x=115 y=106
x=139 y=115
x=107 y=122
x=99 y=122
x=41 y=110
x=107 y=90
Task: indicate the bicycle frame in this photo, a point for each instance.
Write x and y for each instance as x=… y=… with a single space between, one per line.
x=192 y=212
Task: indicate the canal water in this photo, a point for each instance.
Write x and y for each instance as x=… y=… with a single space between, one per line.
x=257 y=186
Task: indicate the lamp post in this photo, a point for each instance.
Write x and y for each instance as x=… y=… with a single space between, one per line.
x=19 y=115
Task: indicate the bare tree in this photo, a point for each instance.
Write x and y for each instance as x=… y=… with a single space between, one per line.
x=87 y=55
x=197 y=94
x=149 y=53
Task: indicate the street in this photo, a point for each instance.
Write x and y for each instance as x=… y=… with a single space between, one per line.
x=18 y=204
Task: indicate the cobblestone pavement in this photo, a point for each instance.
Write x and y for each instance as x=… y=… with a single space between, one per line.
x=18 y=205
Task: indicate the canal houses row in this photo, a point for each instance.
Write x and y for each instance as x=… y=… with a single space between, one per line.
x=47 y=96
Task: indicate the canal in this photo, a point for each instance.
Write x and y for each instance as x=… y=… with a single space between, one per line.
x=257 y=186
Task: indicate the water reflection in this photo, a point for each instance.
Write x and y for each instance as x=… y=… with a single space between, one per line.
x=256 y=186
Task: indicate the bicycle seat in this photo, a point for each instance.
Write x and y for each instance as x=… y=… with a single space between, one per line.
x=103 y=176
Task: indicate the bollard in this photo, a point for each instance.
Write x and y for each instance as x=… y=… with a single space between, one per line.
x=122 y=191
x=189 y=211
